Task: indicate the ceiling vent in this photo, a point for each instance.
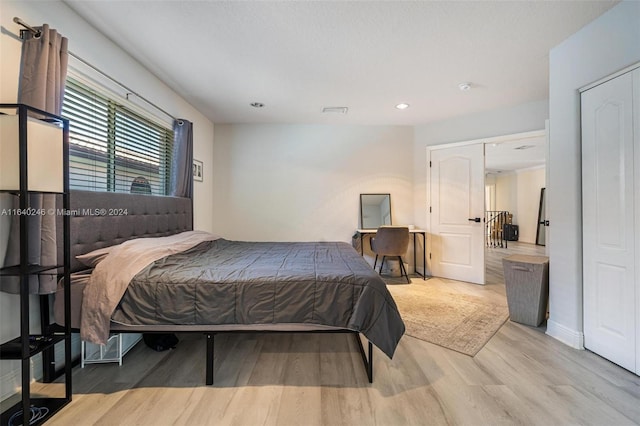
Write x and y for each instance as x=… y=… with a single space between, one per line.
x=335 y=110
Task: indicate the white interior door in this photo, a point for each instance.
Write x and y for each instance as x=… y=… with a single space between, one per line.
x=609 y=220
x=457 y=212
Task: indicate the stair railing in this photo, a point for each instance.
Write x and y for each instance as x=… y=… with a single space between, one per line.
x=494 y=221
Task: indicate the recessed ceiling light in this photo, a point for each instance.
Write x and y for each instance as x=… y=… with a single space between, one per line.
x=402 y=106
x=257 y=104
x=464 y=86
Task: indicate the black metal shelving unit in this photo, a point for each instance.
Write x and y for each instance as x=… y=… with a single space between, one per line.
x=28 y=344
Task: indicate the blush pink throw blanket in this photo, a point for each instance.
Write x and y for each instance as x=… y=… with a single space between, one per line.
x=111 y=277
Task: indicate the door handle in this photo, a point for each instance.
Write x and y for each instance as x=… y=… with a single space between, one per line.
x=475 y=219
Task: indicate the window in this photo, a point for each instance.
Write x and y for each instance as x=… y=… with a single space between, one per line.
x=111 y=147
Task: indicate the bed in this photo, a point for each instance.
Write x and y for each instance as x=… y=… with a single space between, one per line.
x=184 y=280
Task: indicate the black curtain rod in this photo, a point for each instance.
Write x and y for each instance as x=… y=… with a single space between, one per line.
x=36 y=33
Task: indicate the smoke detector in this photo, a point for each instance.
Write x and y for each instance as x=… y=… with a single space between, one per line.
x=464 y=86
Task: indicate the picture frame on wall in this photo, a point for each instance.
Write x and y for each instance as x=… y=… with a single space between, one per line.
x=198 y=171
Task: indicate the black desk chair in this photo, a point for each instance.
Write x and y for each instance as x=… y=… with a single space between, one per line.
x=391 y=241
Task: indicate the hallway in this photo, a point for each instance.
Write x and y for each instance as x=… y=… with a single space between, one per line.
x=494 y=273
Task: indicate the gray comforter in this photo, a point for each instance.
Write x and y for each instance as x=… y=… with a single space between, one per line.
x=231 y=282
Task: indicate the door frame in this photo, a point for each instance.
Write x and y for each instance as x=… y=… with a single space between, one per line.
x=490 y=140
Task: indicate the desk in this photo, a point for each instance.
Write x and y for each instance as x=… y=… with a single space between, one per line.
x=412 y=232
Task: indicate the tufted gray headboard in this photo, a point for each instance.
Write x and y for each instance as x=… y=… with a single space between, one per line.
x=101 y=219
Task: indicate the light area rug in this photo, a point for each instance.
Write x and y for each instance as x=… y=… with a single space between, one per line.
x=447 y=317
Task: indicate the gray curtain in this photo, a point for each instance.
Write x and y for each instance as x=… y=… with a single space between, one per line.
x=182 y=159
x=43 y=71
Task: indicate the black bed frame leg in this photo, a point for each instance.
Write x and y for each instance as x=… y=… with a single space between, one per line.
x=209 y=359
x=368 y=362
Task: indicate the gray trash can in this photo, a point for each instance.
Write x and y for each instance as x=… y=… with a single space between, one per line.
x=527 y=281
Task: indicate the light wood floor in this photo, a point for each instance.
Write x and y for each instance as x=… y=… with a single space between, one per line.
x=493 y=259
x=521 y=377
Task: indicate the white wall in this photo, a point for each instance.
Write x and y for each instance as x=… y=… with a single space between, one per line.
x=285 y=182
x=609 y=43
x=519 y=119
x=507 y=193
x=93 y=47
x=529 y=183
x=489 y=192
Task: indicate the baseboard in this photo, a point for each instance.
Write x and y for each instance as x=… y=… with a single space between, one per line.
x=573 y=338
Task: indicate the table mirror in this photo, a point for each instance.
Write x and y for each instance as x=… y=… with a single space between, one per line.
x=375 y=210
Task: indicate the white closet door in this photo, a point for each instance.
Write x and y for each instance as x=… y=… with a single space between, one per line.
x=636 y=147
x=609 y=260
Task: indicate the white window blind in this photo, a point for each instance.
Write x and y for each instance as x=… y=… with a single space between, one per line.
x=111 y=147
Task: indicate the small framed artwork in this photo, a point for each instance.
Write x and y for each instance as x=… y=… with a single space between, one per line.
x=197 y=171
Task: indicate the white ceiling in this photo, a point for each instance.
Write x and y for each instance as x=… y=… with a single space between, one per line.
x=297 y=57
x=515 y=154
